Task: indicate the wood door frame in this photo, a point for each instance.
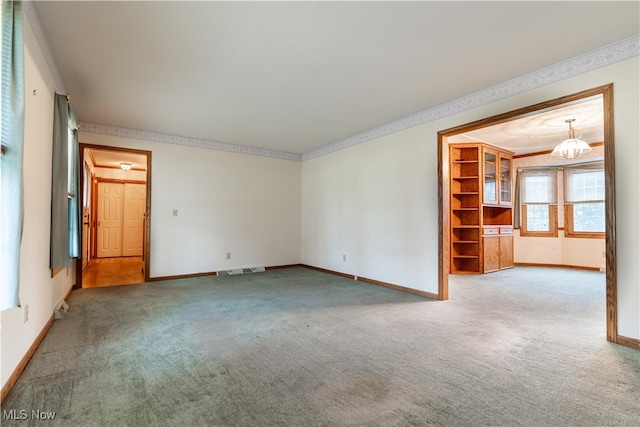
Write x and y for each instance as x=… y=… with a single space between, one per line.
x=94 y=208
x=610 y=213
x=88 y=173
x=146 y=247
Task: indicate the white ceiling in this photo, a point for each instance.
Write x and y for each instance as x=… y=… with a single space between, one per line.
x=543 y=130
x=295 y=76
x=112 y=159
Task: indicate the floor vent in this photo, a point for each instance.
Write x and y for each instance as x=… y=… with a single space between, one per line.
x=241 y=271
x=61 y=310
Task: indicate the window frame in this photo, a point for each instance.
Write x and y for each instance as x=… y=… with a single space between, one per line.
x=553 y=222
x=569 y=227
x=552 y=206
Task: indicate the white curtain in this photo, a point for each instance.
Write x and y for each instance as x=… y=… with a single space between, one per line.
x=12 y=131
x=75 y=214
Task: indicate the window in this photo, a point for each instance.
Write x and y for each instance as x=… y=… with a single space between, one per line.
x=584 y=202
x=65 y=211
x=11 y=160
x=539 y=208
x=2 y=145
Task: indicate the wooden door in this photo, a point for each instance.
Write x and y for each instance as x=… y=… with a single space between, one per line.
x=490 y=176
x=491 y=253
x=110 y=221
x=134 y=211
x=506 y=252
x=506 y=172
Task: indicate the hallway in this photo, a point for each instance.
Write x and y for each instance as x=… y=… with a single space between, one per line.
x=103 y=272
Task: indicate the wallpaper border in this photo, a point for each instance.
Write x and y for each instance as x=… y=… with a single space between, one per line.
x=183 y=140
x=590 y=61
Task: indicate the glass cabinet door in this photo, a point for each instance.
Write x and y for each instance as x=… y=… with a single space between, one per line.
x=490 y=190
x=505 y=181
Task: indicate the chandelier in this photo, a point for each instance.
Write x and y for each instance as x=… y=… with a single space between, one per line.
x=573 y=147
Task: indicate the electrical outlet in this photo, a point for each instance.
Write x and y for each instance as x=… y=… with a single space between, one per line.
x=228 y=255
x=344 y=257
x=175 y=212
x=26 y=313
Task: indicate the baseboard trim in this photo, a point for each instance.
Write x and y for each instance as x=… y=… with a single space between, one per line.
x=66 y=297
x=628 y=342
x=182 y=276
x=25 y=360
x=324 y=270
x=424 y=294
x=214 y=273
x=576 y=267
x=375 y=282
x=279 y=267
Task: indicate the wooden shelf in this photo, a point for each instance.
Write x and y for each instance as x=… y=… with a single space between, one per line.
x=472 y=172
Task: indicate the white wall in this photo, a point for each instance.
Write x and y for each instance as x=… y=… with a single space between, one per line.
x=377 y=201
x=370 y=203
x=564 y=251
x=38 y=290
x=561 y=250
x=227 y=202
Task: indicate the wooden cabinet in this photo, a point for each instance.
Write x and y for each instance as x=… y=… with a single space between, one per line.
x=497 y=244
x=497 y=173
x=481 y=220
x=506 y=251
x=505 y=177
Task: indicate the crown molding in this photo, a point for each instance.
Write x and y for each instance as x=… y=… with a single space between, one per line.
x=34 y=22
x=590 y=61
x=607 y=55
x=32 y=17
x=186 y=141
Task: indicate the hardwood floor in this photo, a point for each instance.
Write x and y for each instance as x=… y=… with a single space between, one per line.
x=113 y=272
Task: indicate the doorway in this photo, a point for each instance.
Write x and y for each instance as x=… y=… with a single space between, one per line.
x=116 y=204
x=606 y=92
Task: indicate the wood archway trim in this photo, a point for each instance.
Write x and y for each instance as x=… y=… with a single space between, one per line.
x=147 y=224
x=609 y=165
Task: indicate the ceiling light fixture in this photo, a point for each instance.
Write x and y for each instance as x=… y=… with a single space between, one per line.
x=125 y=166
x=573 y=147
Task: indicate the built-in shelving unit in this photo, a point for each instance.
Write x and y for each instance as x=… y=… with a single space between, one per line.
x=481 y=208
x=465 y=208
